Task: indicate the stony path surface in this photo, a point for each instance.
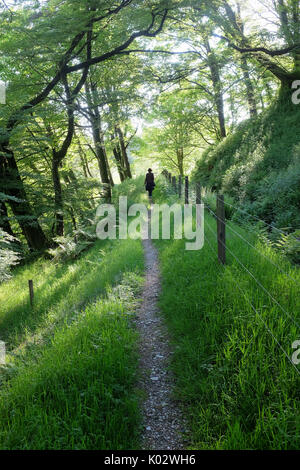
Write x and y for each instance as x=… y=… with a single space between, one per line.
x=162 y=421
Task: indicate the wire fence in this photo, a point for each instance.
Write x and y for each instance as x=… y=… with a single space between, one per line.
x=191 y=193
x=256 y=312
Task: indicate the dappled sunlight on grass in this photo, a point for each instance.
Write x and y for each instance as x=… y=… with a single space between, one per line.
x=57 y=296
x=71 y=363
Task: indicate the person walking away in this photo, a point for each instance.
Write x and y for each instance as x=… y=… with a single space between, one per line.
x=149 y=182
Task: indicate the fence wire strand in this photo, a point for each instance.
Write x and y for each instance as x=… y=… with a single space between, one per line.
x=248 y=271
x=257 y=281
x=254 y=247
x=258 y=314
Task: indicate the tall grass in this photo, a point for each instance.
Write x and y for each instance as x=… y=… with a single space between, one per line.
x=69 y=382
x=237 y=387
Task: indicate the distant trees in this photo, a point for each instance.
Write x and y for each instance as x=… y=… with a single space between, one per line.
x=174 y=138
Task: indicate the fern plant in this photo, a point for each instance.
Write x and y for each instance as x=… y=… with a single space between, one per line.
x=71 y=246
x=8 y=257
x=290 y=244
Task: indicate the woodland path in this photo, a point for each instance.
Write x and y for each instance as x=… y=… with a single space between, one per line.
x=163 y=423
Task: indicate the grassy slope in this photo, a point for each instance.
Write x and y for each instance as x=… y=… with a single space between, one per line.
x=71 y=373
x=237 y=388
x=259 y=165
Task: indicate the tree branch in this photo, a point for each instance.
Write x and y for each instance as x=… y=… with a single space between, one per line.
x=120 y=49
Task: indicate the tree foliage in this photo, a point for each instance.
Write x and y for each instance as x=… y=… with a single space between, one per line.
x=92 y=86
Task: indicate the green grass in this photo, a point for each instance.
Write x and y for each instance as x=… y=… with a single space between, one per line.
x=72 y=359
x=70 y=378
x=60 y=289
x=237 y=388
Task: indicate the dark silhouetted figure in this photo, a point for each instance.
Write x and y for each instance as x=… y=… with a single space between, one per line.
x=149 y=182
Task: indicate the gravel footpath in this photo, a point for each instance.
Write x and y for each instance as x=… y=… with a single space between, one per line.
x=163 y=423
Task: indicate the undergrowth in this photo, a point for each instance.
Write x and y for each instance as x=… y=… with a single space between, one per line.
x=259 y=167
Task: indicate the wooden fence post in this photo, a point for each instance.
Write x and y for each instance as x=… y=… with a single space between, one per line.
x=31 y=292
x=170 y=177
x=198 y=193
x=186 y=200
x=179 y=186
x=221 y=229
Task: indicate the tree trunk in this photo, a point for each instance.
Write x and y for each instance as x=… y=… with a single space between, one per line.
x=12 y=184
x=180 y=160
x=118 y=158
x=249 y=87
x=102 y=161
x=216 y=81
x=99 y=126
x=58 y=197
x=59 y=155
x=124 y=152
x=83 y=159
x=94 y=118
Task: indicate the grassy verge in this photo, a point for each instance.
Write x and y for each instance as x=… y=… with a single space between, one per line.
x=258 y=165
x=71 y=360
x=238 y=389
